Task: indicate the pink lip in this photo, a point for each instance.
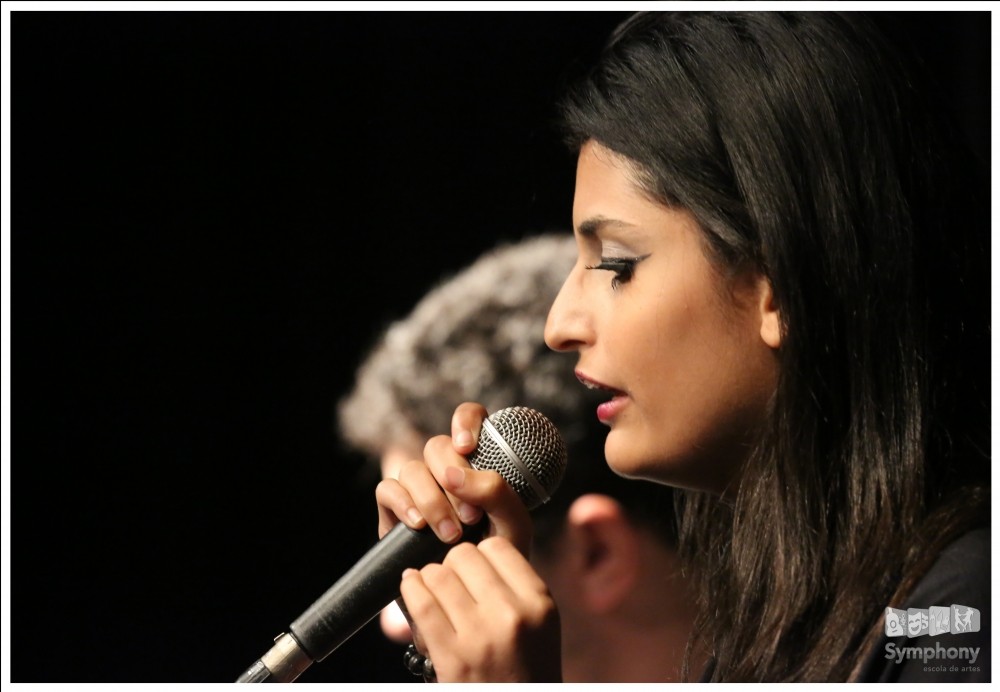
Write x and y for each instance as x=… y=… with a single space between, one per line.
x=607 y=411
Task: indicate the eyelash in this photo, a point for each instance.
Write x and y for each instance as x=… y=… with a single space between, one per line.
x=623 y=267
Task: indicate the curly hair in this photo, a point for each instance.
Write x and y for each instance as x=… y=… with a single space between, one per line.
x=477 y=336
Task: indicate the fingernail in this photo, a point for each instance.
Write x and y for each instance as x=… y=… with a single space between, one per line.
x=468 y=513
x=464 y=438
x=409 y=572
x=415 y=517
x=447 y=530
x=454 y=477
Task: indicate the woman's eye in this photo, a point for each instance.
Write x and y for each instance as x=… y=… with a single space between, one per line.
x=623 y=267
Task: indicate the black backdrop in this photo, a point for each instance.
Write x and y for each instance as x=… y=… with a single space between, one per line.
x=213 y=214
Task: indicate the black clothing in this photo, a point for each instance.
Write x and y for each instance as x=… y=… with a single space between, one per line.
x=960 y=577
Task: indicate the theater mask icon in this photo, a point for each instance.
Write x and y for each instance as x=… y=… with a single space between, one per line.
x=917 y=622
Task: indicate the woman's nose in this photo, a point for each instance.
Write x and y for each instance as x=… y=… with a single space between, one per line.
x=568 y=326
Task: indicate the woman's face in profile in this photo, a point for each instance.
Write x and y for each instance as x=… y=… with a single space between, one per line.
x=686 y=357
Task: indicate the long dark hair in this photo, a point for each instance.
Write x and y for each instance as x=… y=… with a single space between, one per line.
x=802 y=144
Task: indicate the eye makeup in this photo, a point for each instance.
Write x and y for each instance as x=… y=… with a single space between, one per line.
x=623 y=268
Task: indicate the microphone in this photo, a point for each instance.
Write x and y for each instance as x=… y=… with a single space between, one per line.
x=519 y=443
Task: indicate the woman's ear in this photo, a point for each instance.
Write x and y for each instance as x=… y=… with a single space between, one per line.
x=608 y=556
x=770 y=317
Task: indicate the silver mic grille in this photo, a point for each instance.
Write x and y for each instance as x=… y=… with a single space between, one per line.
x=524 y=447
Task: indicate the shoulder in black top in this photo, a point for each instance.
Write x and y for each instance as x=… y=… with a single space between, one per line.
x=958 y=581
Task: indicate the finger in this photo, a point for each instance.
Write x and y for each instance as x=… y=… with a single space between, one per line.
x=513 y=569
x=450 y=590
x=525 y=597
x=394 y=505
x=431 y=626
x=466 y=424
x=502 y=635
x=439 y=454
x=477 y=572
x=430 y=500
x=489 y=491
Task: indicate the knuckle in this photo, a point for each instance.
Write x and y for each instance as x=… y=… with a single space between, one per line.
x=436 y=445
x=385 y=489
x=419 y=608
x=541 y=612
x=460 y=553
x=457 y=668
x=521 y=620
x=409 y=471
x=509 y=618
x=492 y=481
x=435 y=575
x=495 y=545
x=470 y=412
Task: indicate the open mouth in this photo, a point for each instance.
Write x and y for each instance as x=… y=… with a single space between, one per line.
x=596 y=386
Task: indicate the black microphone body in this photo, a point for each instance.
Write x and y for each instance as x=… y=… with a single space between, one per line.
x=369 y=586
x=520 y=443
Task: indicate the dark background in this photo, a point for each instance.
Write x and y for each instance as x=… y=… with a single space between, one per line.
x=213 y=214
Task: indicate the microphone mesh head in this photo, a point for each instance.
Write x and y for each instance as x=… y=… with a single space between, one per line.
x=537 y=448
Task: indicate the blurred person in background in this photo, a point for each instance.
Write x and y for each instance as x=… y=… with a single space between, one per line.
x=605 y=546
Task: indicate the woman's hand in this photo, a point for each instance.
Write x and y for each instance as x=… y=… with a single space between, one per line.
x=444 y=491
x=484 y=615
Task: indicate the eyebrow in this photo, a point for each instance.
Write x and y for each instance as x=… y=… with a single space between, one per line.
x=592 y=226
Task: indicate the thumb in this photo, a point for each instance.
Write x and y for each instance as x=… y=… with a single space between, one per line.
x=466 y=423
